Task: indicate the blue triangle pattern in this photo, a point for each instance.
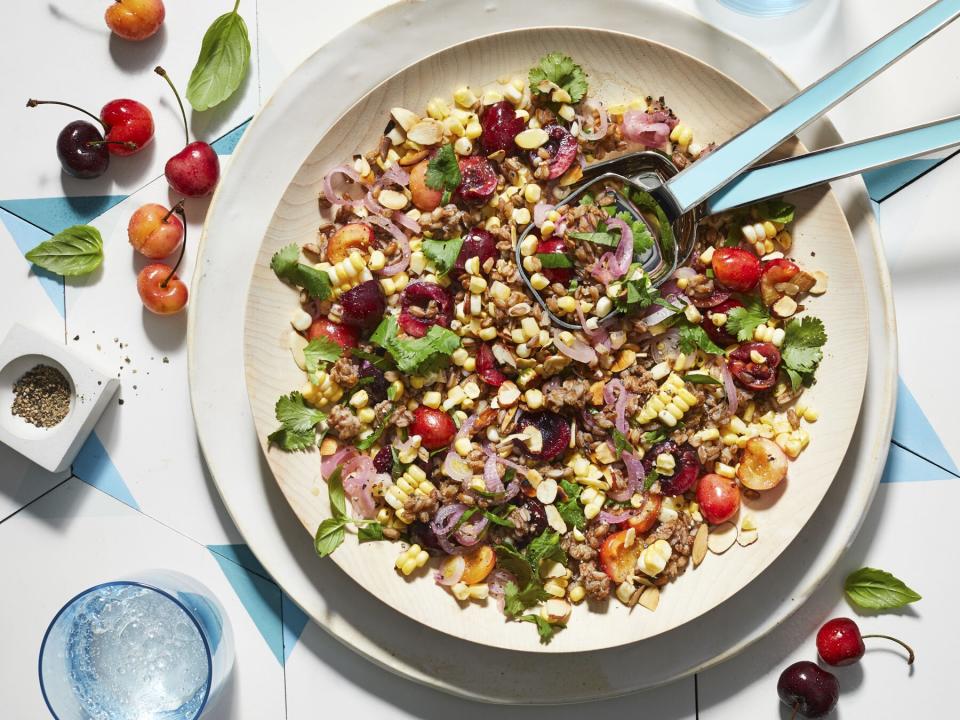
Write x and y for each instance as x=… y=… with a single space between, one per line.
x=883 y=181
x=912 y=429
x=26 y=236
x=226 y=144
x=260 y=597
x=294 y=621
x=905 y=466
x=56 y=213
x=242 y=555
x=94 y=466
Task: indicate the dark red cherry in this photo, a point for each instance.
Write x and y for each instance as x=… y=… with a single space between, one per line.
x=435 y=427
x=129 y=122
x=500 y=126
x=555 y=246
x=478 y=181
x=685 y=473
x=363 y=305
x=479 y=243
x=562 y=147
x=77 y=156
x=555 y=431
x=423 y=305
x=377 y=387
x=383 y=460
x=536 y=520
x=806 y=688
x=343 y=335
x=754 y=375
x=487 y=367
x=719 y=334
x=709 y=300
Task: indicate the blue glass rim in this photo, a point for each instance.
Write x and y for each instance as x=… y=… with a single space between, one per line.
x=129 y=583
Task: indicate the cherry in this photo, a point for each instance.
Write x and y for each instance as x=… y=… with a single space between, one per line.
x=383 y=460
x=195 y=170
x=839 y=642
x=154 y=231
x=719 y=334
x=711 y=300
x=536 y=520
x=135 y=19
x=555 y=431
x=343 y=335
x=129 y=122
x=377 y=387
x=748 y=372
x=424 y=197
x=772 y=274
x=562 y=147
x=363 y=305
x=487 y=367
x=557 y=246
x=478 y=181
x=435 y=427
x=686 y=469
x=718 y=497
x=478 y=243
x=736 y=268
x=808 y=689
x=81 y=150
x=500 y=126
x=161 y=291
x=424 y=296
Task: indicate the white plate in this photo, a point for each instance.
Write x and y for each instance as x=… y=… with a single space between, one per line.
x=290 y=125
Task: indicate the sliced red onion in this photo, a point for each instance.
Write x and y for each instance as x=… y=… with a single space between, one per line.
x=602 y=128
x=454 y=466
x=497 y=584
x=404 y=220
x=469 y=533
x=521 y=470
x=331 y=195
x=616 y=518
x=665 y=346
x=684 y=273
x=446 y=517
x=456 y=566
x=599 y=336
x=359 y=477
x=733 y=400
x=329 y=463
x=579 y=350
x=513 y=487
x=615 y=390
x=658 y=316
x=540 y=211
x=396 y=175
x=648 y=129
x=491 y=477
x=402 y=242
x=635 y=477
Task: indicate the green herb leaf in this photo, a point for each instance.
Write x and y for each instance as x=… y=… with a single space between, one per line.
x=570 y=509
x=642 y=237
x=648 y=204
x=370 y=532
x=443 y=253
x=650 y=479
x=802 y=348
x=443 y=171
x=775 y=210
x=370 y=440
x=515 y=600
x=298 y=421
x=554 y=260
x=329 y=536
x=560 y=69
x=544 y=629
x=693 y=337
x=320 y=350
x=419 y=355
x=338 y=502
x=378 y=361
x=654 y=436
x=585 y=199
x=224 y=58
x=78 y=250
x=743 y=321
x=701 y=379
x=291 y=440
x=512 y=560
x=285 y=264
x=877 y=590
x=639 y=294
x=600 y=238
x=546 y=546
x=497 y=520
x=621 y=443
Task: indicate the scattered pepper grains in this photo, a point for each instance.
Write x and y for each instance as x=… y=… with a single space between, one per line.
x=41 y=396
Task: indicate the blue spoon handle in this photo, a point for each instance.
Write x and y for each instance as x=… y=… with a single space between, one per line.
x=692 y=186
x=833 y=163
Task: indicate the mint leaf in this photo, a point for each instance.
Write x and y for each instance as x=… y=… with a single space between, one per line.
x=693 y=337
x=640 y=294
x=515 y=600
x=621 y=443
x=78 y=250
x=498 y=520
x=561 y=70
x=554 y=260
x=371 y=439
x=546 y=546
x=443 y=171
x=648 y=204
x=224 y=58
x=600 y=238
x=443 y=253
x=286 y=265
x=511 y=559
x=419 y=355
x=650 y=478
x=877 y=590
x=329 y=536
x=544 y=629
x=743 y=321
x=642 y=237
x=654 y=436
x=320 y=350
x=570 y=509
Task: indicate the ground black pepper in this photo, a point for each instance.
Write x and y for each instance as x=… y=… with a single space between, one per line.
x=41 y=396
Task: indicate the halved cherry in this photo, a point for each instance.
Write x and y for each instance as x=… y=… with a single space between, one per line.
x=535 y=522
x=383 y=460
x=435 y=427
x=487 y=367
x=478 y=243
x=555 y=431
x=763 y=465
x=736 y=268
x=719 y=334
x=619 y=560
x=428 y=298
x=377 y=386
x=424 y=197
x=478 y=181
x=478 y=564
x=718 y=498
x=352 y=236
x=562 y=147
x=710 y=300
x=775 y=272
x=686 y=467
x=752 y=374
x=363 y=305
x=551 y=246
x=647 y=518
x=343 y=335
x=500 y=125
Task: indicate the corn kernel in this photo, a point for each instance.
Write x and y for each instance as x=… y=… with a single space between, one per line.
x=811 y=415
x=528 y=246
x=438 y=109
x=360 y=399
x=604 y=306
x=532 y=193
x=521 y=216
x=533 y=398
x=654 y=558
x=487 y=333
x=366 y=415
x=477 y=285
x=724 y=470
x=464 y=97
x=473 y=130
x=576 y=593
x=432 y=399
x=499 y=290
x=539 y=281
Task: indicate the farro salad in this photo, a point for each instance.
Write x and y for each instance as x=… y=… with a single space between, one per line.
x=513 y=459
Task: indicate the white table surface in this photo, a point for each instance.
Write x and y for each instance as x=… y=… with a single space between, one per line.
x=139 y=496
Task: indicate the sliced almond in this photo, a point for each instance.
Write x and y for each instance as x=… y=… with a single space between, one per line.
x=296 y=343
x=785 y=307
x=700 y=544
x=820 y=287
x=426 y=132
x=555 y=520
x=533 y=439
x=722 y=537
x=532 y=138
x=625 y=359
x=508 y=394
x=547 y=490
x=413 y=157
x=392 y=199
x=405 y=118
x=650 y=598
x=747 y=537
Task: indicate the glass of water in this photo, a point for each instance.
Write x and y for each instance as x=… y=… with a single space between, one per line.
x=764 y=8
x=158 y=645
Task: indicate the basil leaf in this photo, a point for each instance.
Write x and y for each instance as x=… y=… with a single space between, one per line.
x=371 y=532
x=554 y=260
x=338 y=502
x=224 y=58
x=877 y=590
x=545 y=546
x=78 y=250
x=600 y=238
x=701 y=379
x=329 y=536
x=776 y=211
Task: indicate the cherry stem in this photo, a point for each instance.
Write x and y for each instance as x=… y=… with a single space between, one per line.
x=183 y=216
x=163 y=73
x=796 y=709
x=176 y=208
x=126 y=143
x=911 y=656
x=33 y=103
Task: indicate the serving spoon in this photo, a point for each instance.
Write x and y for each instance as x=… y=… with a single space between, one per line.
x=717 y=182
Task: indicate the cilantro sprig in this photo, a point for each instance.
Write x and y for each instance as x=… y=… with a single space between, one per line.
x=802 y=349
x=443 y=172
x=298 y=423
x=443 y=253
x=416 y=355
x=320 y=350
x=693 y=337
x=287 y=266
x=332 y=531
x=743 y=321
x=570 y=509
x=562 y=71
x=528 y=590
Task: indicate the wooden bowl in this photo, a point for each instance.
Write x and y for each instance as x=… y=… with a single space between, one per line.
x=620 y=67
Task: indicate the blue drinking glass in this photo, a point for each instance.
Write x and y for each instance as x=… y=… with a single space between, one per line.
x=157 y=645
x=764 y=8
